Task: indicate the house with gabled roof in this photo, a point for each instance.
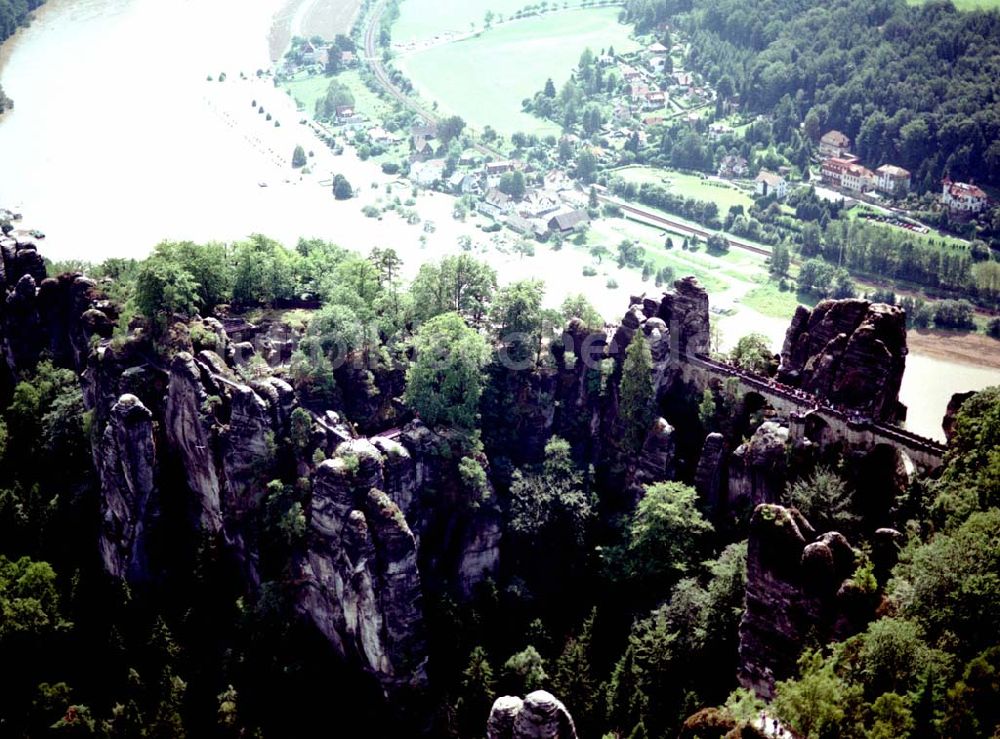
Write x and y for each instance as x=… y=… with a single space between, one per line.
x=834 y=144
x=565 y=222
x=771 y=183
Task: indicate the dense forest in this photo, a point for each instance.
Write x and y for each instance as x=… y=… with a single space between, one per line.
x=911 y=85
x=620 y=588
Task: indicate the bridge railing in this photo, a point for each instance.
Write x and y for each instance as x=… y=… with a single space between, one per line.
x=801 y=397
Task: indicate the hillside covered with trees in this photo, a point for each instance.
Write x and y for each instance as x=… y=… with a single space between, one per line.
x=910 y=84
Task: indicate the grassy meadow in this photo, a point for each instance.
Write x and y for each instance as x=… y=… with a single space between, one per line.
x=420 y=20
x=690 y=186
x=485 y=78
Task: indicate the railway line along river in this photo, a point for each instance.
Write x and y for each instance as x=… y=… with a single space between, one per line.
x=118 y=140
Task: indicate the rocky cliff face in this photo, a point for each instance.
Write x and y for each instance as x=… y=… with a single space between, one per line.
x=584 y=391
x=850 y=352
x=125 y=458
x=192 y=419
x=539 y=716
x=710 y=480
x=57 y=315
x=360 y=584
x=798 y=589
x=758 y=468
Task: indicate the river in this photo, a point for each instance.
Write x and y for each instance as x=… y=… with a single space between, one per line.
x=118 y=141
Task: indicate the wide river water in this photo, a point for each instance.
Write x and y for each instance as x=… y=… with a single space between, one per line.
x=118 y=141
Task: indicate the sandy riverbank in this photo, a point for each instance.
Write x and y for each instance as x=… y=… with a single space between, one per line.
x=974 y=349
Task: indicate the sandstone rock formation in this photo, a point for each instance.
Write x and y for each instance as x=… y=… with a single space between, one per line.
x=58 y=315
x=656 y=461
x=850 y=352
x=948 y=422
x=539 y=716
x=709 y=479
x=797 y=589
x=757 y=469
x=125 y=458
x=359 y=583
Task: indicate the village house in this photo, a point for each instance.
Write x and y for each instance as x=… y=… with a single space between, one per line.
x=892 y=179
x=655 y=100
x=961 y=197
x=858 y=178
x=834 y=144
x=770 y=183
x=628 y=73
x=347 y=58
x=307 y=53
x=495 y=170
x=462 y=183
x=422 y=149
x=639 y=91
x=733 y=166
x=426 y=130
x=832 y=170
x=380 y=136
x=427 y=174
x=566 y=222
x=657 y=49
x=538 y=203
x=653 y=120
x=494 y=203
x=520 y=225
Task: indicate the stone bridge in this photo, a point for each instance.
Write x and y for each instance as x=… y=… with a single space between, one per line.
x=809 y=417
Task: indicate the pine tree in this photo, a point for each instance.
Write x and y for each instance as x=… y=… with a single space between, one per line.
x=477 y=694
x=574 y=676
x=637 y=395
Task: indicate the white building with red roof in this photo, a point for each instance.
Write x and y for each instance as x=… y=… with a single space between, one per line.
x=961 y=197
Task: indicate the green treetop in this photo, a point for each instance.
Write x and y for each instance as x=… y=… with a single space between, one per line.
x=636 y=401
x=445 y=380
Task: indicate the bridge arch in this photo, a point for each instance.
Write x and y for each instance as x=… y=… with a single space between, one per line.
x=817 y=430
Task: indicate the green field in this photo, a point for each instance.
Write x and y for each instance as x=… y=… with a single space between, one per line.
x=716 y=273
x=306 y=90
x=420 y=20
x=484 y=79
x=690 y=186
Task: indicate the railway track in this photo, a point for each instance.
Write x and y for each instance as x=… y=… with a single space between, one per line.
x=385 y=81
x=682 y=228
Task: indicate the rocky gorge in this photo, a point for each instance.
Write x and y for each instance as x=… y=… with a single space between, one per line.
x=192 y=441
